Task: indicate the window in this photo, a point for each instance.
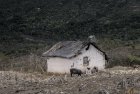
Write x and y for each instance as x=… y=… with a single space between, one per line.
x=85 y=61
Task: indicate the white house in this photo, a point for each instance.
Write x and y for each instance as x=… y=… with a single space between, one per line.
x=81 y=55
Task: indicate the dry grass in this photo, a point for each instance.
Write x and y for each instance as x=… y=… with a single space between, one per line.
x=35 y=83
x=28 y=63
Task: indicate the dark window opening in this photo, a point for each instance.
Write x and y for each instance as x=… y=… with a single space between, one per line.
x=85 y=61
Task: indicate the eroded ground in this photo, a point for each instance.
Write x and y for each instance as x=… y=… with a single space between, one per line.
x=111 y=82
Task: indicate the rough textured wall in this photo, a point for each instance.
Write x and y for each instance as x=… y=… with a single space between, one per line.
x=96 y=58
x=62 y=65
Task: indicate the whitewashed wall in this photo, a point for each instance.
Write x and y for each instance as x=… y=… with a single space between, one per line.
x=96 y=59
x=59 y=65
x=62 y=65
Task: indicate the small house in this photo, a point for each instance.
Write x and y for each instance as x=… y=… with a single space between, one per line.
x=78 y=54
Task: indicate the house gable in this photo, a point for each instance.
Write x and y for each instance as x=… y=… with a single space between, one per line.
x=96 y=58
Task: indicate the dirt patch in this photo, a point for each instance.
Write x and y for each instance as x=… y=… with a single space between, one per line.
x=105 y=82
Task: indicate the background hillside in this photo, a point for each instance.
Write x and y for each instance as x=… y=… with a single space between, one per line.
x=29 y=25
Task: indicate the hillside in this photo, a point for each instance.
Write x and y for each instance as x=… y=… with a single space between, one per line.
x=28 y=25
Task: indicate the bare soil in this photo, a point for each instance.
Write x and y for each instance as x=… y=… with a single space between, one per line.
x=104 y=81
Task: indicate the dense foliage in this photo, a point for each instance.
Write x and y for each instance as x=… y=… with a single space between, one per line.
x=27 y=25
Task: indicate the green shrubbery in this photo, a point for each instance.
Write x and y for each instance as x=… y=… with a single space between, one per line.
x=134 y=60
x=65 y=20
x=129 y=61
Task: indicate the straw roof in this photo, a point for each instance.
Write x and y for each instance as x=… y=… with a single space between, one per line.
x=68 y=49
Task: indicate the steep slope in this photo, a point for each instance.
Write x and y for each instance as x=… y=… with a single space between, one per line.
x=29 y=24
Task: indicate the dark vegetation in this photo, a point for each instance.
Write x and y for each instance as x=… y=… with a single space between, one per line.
x=29 y=25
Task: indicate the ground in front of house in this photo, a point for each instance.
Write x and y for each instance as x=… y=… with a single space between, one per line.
x=34 y=83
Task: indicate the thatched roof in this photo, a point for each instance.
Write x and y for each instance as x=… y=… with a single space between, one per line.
x=68 y=49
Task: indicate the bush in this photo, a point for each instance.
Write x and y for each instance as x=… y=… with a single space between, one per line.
x=134 y=60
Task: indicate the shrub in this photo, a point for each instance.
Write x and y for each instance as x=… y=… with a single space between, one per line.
x=134 y=60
